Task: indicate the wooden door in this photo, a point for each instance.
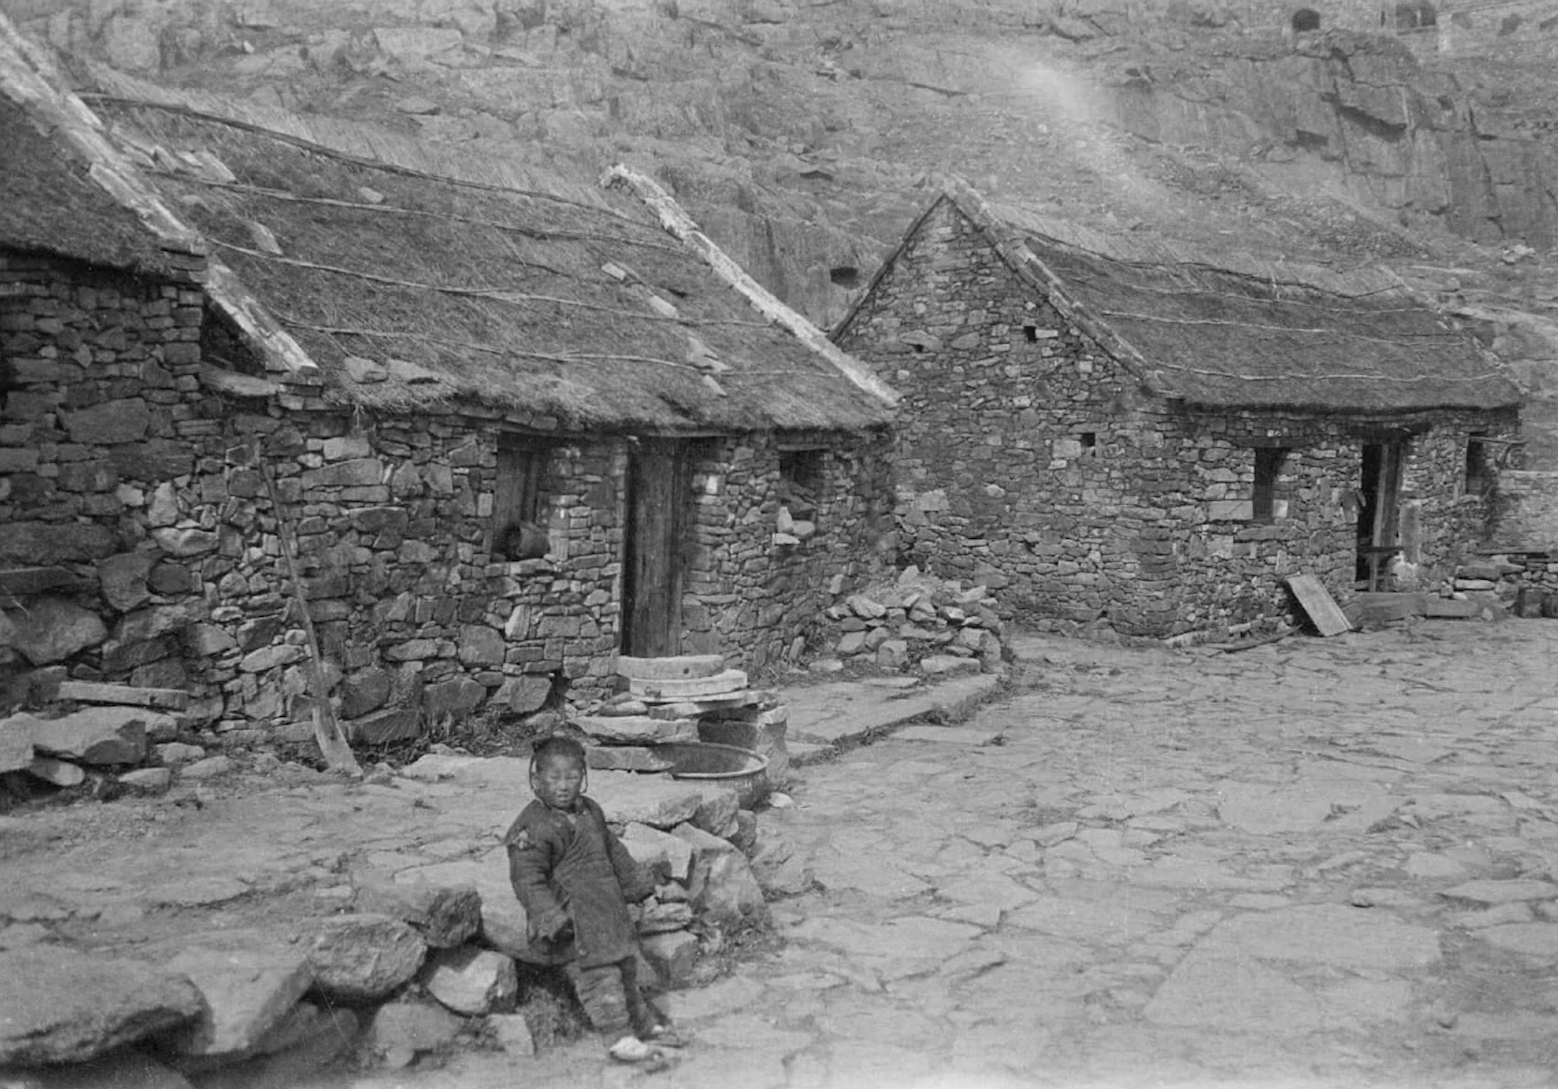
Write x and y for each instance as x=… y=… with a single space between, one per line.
x=657 y=500
x=1379 y=513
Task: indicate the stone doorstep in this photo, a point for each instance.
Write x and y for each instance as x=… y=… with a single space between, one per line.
x=851 y=713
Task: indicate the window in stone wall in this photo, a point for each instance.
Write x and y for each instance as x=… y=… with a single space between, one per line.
x=519 y=513
x=802 y=474
x=1479 y=474
x=1264 y=506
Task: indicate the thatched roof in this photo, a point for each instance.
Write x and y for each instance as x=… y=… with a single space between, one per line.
x=49 y=203
x=1230 y=333
x=419 y=277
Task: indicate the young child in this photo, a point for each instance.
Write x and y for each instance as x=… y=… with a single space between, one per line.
x=576 y=880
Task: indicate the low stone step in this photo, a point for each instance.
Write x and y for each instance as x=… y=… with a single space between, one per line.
x=683 y=667
x=720 y=684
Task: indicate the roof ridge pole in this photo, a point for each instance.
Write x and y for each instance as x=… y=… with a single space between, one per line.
x=675 y=220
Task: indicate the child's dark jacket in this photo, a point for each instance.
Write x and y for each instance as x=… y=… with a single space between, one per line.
x=576 y=871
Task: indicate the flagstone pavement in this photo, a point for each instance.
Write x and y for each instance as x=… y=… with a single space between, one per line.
x=1316 y=863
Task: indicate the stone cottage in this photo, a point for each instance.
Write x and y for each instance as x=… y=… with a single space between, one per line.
x=1127 y=437
x=492 y=425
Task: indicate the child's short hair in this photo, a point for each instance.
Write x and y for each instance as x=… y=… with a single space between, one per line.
x=556 y=747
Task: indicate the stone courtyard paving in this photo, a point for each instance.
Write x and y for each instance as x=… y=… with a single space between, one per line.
x=1314 y=863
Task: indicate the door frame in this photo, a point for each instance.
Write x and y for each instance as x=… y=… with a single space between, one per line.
x=1379 y=509
x=656 y=515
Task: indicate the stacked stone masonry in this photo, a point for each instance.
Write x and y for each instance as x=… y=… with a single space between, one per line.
x=1029 y=460
x=137 y=504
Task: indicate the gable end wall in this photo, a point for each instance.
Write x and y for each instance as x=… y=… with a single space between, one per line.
x=1037 y=464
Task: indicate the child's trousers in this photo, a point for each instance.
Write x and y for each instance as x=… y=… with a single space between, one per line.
x=609 y=994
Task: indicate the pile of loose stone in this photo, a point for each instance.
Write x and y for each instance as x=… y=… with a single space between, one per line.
x=917 y=624
x=106 y=732
x=420 y=954
x=1525 y=582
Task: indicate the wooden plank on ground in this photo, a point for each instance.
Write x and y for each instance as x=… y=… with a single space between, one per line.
x=1318 y=603
x=125 y=695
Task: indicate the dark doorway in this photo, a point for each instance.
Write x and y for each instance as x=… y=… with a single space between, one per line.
x=659 y=490
x=1379 y=513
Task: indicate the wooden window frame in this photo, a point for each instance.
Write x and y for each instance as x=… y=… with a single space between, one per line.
x=519 y=492
x=1268 y=473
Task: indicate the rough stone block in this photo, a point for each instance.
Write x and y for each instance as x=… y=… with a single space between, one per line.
x=94 y=735
x=51 y=629
x=445 y=915
x=721 y=885
x=673 y=955
x=247 y=988
x=358 y=958
x=471 y=981
x=666 y=856
x=511 y=1032
x=61 y=773
x=400 y=1031
x=123 y=578
x=109 y=422
x=62 y=1006
x=636 y=729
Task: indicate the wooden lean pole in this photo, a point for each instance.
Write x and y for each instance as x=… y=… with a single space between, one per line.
x=327 y=731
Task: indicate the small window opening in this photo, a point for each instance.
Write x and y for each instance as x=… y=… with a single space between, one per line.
x=919 y=348
x=1478 y=475
x=1268 y=468
x=519 y=508
x=802 y=474
x=1089 y=441
x=1305 y=19
x=844 y=275
x=1030 y=333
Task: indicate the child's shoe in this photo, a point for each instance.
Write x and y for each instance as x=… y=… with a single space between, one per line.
x=630 y=1049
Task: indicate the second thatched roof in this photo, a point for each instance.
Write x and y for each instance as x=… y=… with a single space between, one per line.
x=1245 y=334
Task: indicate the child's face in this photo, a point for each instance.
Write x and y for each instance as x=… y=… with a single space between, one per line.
x=558 y=782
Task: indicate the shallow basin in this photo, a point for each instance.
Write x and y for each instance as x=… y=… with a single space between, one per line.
x=727 y=765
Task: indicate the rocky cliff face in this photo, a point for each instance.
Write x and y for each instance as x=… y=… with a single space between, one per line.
x=1358 y=113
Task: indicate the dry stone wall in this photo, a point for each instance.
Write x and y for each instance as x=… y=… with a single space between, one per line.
x=1030 y=461
x=745 y=587
x=142 y=540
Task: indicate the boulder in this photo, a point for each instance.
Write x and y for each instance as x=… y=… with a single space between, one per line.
x=361 y=957
x=445 y=915
x=294 y=1055
x=400 y=1031
x=94 y=735
x=471 y=981
x=248 y=988
x=666 y=856
x=60 y=1006
x=51 y=629
x=721 y=886
x=173 y=753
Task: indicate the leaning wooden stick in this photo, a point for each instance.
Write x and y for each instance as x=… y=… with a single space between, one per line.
x=327 y=731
